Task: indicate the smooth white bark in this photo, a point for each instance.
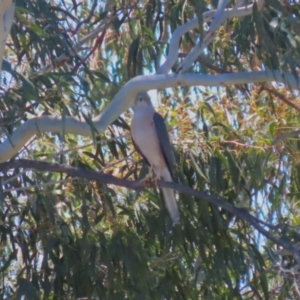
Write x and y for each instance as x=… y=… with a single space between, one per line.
x=237 y=12
x=124 y=99
x=218 y=20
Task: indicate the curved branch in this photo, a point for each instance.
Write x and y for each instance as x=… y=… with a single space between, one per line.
x=174 y=43
x=281 y=97
x=218 y=20
x=207 y=16
x=284 y=136
x=136 y=185
x=124 y=99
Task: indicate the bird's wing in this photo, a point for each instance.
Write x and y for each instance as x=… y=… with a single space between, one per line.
x=164 y=141
x=137 y=148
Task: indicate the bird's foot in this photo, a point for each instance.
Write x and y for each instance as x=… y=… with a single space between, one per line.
x=150 y=179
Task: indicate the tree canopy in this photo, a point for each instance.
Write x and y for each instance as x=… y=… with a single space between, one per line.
x=76 y=220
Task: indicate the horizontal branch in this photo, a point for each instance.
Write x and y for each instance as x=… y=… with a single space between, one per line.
x=137 y=185
x=124 y=99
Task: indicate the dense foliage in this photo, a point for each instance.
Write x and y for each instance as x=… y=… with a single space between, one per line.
x=70 y=238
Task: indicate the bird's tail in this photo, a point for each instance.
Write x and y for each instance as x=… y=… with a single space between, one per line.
x=169 y=196
x=171 y=204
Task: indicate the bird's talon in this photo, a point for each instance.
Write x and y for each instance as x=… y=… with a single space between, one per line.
x=146 y=181
x=150 y=179
x=155 y=181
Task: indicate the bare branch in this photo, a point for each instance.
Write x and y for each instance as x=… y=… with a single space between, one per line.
x=125 y=96
x=219 y=18
x=137 y=185
x=281 y=97
x=283 y=136
x=181 y=30
x=124 y=99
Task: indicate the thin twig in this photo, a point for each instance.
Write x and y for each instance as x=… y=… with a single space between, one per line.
x=98 y=43
x=281 y=97
x=245 y=145
x=40 y=185
x=89 y=17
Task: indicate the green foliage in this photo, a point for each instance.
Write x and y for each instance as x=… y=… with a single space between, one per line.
x=66 y=238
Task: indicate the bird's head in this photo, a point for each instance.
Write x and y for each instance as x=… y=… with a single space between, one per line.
x=142 y=99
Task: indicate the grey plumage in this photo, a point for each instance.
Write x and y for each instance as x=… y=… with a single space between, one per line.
x=150 y=136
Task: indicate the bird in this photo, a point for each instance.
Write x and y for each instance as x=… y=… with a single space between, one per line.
x=150 y=138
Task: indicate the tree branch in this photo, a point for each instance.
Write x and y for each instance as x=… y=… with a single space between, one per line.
x=174 y=43
x=207 y=16
x=281 y=97
x=217 y=21
x=137 y=185
x=124 y=99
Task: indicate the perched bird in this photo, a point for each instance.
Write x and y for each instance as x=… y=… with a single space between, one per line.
x=151 y=139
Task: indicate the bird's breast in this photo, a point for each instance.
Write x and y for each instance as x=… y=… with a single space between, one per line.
x=144 y=135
